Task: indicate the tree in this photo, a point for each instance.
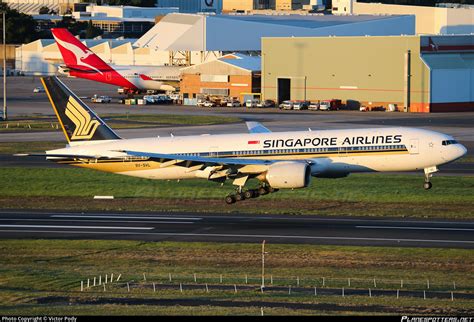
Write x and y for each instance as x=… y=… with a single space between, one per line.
x=19 y=28
x=44 y=10
x=92 y=31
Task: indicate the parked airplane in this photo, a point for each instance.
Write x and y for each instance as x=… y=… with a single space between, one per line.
x=284 y=160
x=83 y=63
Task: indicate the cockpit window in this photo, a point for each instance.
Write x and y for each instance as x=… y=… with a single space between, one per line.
x=449 y=142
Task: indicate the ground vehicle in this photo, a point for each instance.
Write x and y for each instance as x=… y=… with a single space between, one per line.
x=330 y=105
x=324 y=105
x=174 y=96
x=301 y=105
x=38 y=89
x=251 y=103
x=149 y=99
x=286 y=105
x=200 y=102
x=100 y=99
x=209 y=104
x=314 y=106
x=266 y=103
x=233 y=103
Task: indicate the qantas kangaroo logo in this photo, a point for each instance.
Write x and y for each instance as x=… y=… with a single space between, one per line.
x=79 y=53
x=85 y=126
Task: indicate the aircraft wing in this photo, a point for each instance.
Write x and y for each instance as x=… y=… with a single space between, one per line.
x=257 y=127
x=163 y=157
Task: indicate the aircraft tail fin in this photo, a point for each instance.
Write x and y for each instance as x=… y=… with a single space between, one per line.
x=77 y=120
x=76 y=55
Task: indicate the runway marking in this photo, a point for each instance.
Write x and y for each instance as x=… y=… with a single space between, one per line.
x=107 y=221
x=414 y=228
x=124 y=217
x=75 y=227
x=131 y=216
x=252 y=236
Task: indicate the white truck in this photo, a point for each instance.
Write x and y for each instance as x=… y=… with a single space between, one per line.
x=100 y=99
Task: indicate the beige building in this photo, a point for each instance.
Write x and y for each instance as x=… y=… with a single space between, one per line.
x=234 y=75
x=417 y=73
x=429 y=20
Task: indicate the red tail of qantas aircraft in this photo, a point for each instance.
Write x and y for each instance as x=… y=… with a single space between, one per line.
x=83 y=63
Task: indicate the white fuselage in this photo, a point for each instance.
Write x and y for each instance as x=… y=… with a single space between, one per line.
x=331 y=152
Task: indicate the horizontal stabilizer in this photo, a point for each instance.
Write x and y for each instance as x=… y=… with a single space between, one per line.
x=257 y=127
x=75 y=156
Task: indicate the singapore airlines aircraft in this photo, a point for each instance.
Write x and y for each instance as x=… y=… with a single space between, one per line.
x=283 y=160
x=83 y=63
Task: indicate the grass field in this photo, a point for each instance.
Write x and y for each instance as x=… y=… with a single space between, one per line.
x=357 y=195
x=115 y=121
x=43 y=277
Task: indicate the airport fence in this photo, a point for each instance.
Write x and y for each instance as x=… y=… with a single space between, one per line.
x=316 y=286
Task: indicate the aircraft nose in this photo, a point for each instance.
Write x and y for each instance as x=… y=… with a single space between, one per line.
x=461 y=151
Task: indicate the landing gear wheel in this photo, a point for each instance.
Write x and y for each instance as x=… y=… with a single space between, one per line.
x=230 y=199
x=248 y=194
x=262 y=191
x=239 y=196
x=427 y=185
x=271 y=189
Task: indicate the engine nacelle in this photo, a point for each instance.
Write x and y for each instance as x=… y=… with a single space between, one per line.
x=288 y=175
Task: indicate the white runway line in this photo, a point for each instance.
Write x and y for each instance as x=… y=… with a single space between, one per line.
x=75 y=227
x=124 y=217
x=398 y=240
x=107 y=221
x=414 y=228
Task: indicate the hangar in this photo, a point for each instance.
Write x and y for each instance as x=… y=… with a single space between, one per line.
x=417 y=73
x=234 y=32
x=233 y=75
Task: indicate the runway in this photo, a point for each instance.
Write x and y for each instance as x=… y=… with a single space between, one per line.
x=397 y=232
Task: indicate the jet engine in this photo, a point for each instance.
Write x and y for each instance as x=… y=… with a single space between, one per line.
x=288 y=175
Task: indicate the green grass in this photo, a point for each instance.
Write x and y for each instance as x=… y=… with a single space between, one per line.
x=115 y=121
x=35 y=269
x=362 y=194
x=168 y=119
x=27 y=146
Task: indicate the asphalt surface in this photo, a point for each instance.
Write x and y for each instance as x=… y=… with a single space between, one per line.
x=238 y=228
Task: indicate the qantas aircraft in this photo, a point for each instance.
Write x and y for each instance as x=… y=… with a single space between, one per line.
x=280 y=160
x=83 y=63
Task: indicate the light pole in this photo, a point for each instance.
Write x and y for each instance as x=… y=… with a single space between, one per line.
x=263 y=264
x=4 y=70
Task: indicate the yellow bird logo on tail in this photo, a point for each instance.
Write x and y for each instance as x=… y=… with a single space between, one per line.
x=85 y=125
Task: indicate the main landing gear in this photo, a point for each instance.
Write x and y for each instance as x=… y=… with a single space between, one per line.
x=248 y=194
x=428 y=174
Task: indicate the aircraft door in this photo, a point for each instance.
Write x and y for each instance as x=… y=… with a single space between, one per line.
x=414 y=146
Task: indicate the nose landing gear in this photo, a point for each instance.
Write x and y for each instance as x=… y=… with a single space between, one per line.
x=428 y=174
x=248 y=194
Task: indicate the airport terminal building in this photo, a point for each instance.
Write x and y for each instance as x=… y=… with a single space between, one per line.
x=417 y=73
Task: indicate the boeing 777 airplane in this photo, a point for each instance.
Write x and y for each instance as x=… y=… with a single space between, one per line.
x=83 y=63
x=278 y=160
